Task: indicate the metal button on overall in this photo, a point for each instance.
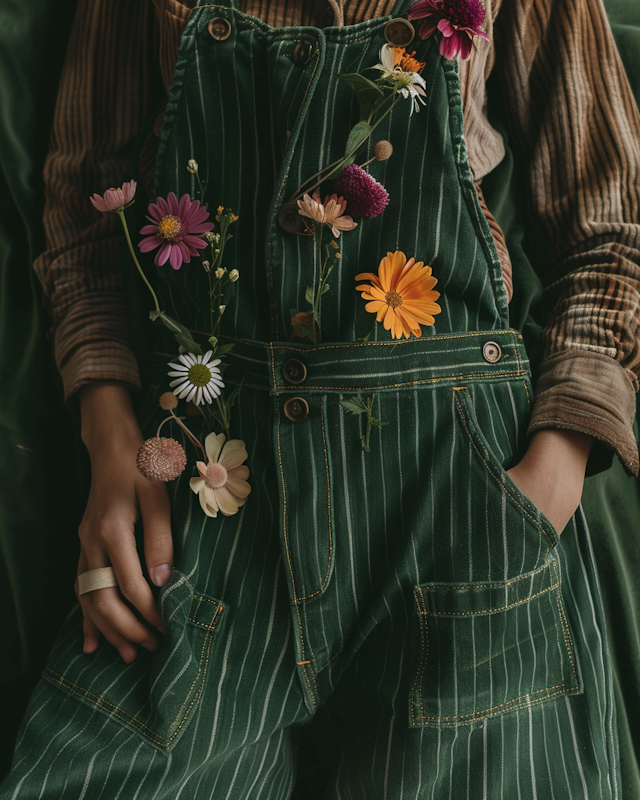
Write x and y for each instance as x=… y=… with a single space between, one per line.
x=491 y=352
x=302 y=53
x=219 y=28
x=289 y=218
x=296 y=409
x=399 y=32
x=294 y=371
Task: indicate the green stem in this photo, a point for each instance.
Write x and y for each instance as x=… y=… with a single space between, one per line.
x=301 y=190
x=224 y=417
x=135 y=259
x=318 y=288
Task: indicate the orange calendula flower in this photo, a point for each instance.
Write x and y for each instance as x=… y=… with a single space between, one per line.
x=401 y=294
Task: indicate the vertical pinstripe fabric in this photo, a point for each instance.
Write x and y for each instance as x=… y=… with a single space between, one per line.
x=409 y=606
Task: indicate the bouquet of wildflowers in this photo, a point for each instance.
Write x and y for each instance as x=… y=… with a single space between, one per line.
x=179 y=230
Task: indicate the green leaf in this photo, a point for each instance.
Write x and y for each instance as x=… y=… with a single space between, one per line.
x=325 y=288
x=367 y=93
x=228 y=293
x=359 y=134
x=188 y=344
x=308 y=295
x=354 y=405
x=364 y=325
x=223 y=349
x=377 y=422
x=307 y=332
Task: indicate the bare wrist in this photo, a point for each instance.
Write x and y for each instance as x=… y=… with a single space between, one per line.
x=107 y=416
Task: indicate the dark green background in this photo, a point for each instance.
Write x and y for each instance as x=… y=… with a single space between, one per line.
x=44 y=470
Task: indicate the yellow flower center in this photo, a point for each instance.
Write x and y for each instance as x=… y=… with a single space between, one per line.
x=169 y=227
x=393 y=299
x=199 y=375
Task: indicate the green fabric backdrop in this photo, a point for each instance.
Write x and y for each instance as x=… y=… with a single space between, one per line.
x=44 y=470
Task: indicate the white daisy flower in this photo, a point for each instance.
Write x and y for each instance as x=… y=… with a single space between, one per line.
x=400 y=70
x=197 y=378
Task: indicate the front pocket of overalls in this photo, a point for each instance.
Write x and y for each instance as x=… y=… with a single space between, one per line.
x=487 y=649
x=157 y=694
x=491 y=646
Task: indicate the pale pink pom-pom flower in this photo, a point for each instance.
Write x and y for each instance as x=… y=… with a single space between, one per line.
x=161 y=459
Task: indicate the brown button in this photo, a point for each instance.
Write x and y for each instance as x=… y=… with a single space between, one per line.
x=491 y=352
x=302 y=53
x=219 y=28
x=399 y=32
x=296 y=409
x=290 y=219
x=294 y=371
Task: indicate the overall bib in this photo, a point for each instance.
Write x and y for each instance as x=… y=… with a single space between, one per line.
x=408 y=607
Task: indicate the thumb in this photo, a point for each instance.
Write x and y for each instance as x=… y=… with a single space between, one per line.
x=155 y=510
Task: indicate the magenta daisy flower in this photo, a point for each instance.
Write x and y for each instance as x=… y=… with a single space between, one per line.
x=364 y=195
x=175 y=229
x=115 y=199
x=457 y=20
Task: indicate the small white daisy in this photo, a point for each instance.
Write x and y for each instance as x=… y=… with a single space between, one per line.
x=197 y=378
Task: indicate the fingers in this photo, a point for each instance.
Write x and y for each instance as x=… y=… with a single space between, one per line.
x=155 y=509
x=104 y=609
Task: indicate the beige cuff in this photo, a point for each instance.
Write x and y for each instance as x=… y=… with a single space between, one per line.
x=590 y=393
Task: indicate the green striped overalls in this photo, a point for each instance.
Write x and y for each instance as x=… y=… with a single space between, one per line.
x=408 y=610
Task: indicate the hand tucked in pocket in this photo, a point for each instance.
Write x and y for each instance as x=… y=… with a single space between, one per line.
x=551 y=473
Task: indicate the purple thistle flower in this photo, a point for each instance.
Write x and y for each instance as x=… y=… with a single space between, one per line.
x=364 y=195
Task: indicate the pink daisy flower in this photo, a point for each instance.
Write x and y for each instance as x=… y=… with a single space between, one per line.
x=457 y=20
x=331 y=212
x=175 y=230
x=115 y=199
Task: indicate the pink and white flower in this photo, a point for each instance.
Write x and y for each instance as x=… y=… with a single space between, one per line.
x=222 y=482
x=457 y=20
x=115 y=199
x=175 y=230
x=331 y=212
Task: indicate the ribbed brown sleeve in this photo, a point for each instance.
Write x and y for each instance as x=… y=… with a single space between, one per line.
x=578 y=129
x=101 y=104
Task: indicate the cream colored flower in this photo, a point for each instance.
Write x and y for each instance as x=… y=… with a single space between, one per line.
x=222 y=485
x=331 y=212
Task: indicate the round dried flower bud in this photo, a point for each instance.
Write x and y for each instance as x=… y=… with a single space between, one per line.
x=161 y=459
x=234 y=275
x=192 y=165
x=383 y=150
x=168 y=400
x=220 y=272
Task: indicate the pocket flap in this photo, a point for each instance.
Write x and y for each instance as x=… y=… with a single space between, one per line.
x=465 y=599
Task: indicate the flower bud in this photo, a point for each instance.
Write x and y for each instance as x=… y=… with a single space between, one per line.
x=222 y=309
x=220 y=272
x=168 y=400
x=192 y=165
x=234 y=275
x=383 y=150
x=206 y=266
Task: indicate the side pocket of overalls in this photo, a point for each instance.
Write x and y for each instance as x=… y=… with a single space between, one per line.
x=157 y=694
x=493 y=646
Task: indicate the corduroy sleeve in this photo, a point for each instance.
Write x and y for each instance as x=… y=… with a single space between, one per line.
x=577 y=128
x=102 y=102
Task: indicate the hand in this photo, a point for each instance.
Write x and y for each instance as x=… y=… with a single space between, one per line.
x=118 y=494
x=551 y=473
